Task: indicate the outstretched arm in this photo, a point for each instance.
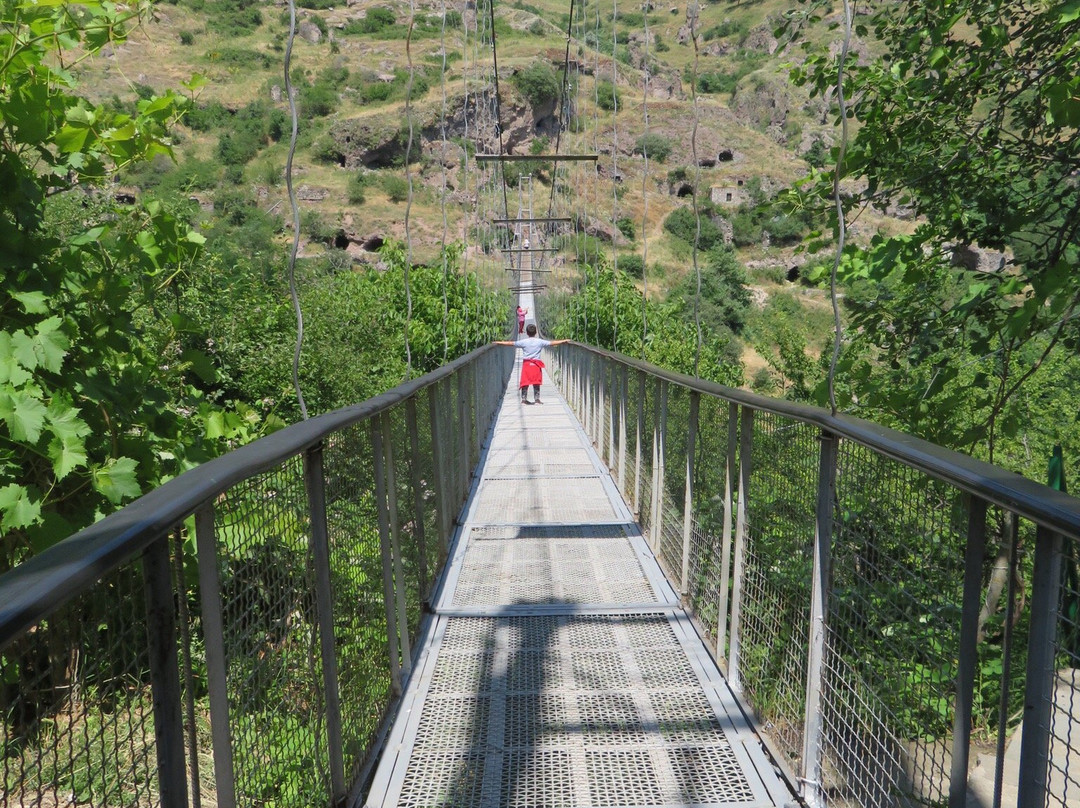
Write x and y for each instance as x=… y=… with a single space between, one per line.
x=502 y=342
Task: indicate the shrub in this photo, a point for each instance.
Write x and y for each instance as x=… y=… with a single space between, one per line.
x=608 y=96
x=355 y=190
x=238 y=147
x=627 y=227
x=315 y=226
x=325 y=150
x=373 y=22
x=682 y=224
x=187 y=38
x=654 y=146
x=397 y=188
x=539 y=83
x=632 y=264
x=318 y=100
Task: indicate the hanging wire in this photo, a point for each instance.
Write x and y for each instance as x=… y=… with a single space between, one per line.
x=841 y=225
x=615 y=174
x=469 y=173
x=694 y=195
x=295 y=214
x=596 y=168
x=645 y=195
x=409 y=181
x=443 y=183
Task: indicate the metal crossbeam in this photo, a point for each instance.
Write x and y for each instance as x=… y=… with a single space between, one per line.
x=526 y=250
x=520 y=158
x=544 y=220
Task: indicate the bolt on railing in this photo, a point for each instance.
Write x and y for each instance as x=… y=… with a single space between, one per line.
x=279 y=624
x=841 y=571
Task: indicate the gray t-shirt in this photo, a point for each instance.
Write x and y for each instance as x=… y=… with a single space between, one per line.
x=531 y=346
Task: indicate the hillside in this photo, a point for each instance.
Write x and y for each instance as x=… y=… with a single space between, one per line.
x=351 y=66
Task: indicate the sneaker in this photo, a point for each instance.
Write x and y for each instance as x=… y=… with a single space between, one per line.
x=538 y=401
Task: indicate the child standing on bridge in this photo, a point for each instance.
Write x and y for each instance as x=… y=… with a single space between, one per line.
x=532 y=369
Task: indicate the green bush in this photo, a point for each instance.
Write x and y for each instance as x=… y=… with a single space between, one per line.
x=632 y=264
x=355 y=190
x=375 y=21
x=396 y=187
x=318 y=100
x=682 y=224
x=654 y=146
x=325 y=150
x=539 y=83
x=627 y=227
x=187 y=38
x=608 y=96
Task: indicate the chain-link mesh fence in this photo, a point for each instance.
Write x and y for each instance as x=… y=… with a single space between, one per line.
x=77 y=703
x=253 y=643
x=948 y=628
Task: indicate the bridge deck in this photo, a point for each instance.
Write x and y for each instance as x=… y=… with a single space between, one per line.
x=560 y=669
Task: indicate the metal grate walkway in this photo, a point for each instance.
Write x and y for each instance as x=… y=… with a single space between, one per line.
x=560 y=669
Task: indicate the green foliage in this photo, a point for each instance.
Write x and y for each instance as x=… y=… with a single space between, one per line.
x=608 y=96
x=724 y=297
x=395 y=186
x=234 y=18
x=187 y=38
x=358 y=314
x=969 y=116
x=97 y=399
x=356 y=190
x=607 y=310
x=654 y=146
x=632 y=264
x=627 y=227
x=538 y=83
x=244 y=58
x=684 y=225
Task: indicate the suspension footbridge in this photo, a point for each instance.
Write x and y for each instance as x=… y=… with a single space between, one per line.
x=650 y=590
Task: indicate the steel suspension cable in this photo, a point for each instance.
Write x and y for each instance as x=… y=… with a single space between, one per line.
x=443 y=184
x=615 y=174
x=645 y=195
x=293 y=293
x=841 y=225
x=694 y=195
x=409 y=182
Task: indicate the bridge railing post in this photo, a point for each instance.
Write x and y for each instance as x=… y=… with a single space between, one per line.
x=315 y=485
x=419 y=515
x=623 y=390
x=386 y=555
x=161 y=633
x=819 y=609
x=1046 y=587
x=463 y=439
x=639 y=437
x=436 y=404
x=400 y=586
x=688 y=499
x=214 y=639
x=659 y=452
x=967 y=661
x=612 y=413
x=746 y=440
x=725 y=546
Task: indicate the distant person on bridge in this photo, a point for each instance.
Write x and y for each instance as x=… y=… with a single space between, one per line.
x=532 y=369
x=526 y=244
x=521 y=319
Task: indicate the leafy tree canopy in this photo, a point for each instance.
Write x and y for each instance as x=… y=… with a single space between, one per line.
x=95 y=405
x=970 y=116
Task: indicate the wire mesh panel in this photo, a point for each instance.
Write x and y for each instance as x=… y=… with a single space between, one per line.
x=357 y=580
x=707 y=533
x=774 y=628
x=676 y=435
x=893 y=631
x=77 y=705
x=1063 y=753
x=276 y=711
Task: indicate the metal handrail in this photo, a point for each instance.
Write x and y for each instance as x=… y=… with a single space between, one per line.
x=1028 y=498
x=50 y=579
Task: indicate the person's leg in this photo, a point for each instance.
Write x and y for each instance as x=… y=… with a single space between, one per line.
x=536 y=394
x=524 y=394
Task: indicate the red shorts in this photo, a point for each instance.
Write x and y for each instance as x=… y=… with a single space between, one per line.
x=532 y=372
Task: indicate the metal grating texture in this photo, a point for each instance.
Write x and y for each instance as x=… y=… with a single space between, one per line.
x=557 y=500
x=570 y=711
x=552 y=570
